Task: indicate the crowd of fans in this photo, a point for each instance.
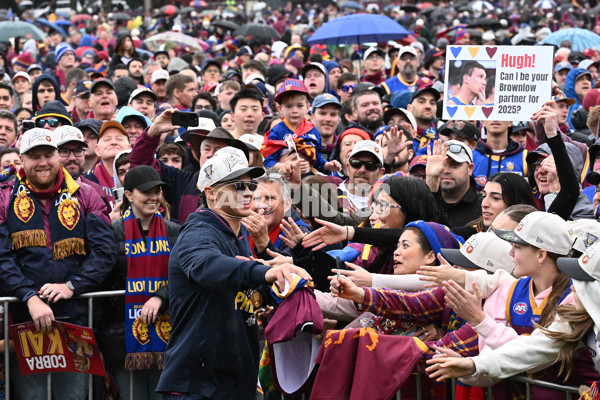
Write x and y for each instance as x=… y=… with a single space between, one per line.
x=193 y=175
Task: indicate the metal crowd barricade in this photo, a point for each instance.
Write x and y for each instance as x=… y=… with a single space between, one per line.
x=569 y=390
x=90 y=296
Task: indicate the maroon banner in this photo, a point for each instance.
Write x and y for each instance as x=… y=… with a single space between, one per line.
x=67 y=348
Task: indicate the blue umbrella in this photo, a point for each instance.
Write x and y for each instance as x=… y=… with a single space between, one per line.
x=580 y=39
x=358 y=28
x=351 y=4
x=62 y=22
x=51 y=25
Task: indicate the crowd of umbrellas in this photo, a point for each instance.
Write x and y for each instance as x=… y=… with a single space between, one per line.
x=357 y=26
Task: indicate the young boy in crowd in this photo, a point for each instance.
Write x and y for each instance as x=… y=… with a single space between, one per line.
x=293 y=103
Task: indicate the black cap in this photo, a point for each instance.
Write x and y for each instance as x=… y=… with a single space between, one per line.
x=91 y=123
x=102 y=81
x=82 y=87
x=593 y=151
x=593 y=178
x=462 y=129
x=208 y=62
x=428 y=89
x=143 y=178
x=389 y=113
x=276 y=73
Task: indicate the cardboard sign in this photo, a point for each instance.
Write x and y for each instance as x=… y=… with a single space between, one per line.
x=499 y=83
x=67 y=348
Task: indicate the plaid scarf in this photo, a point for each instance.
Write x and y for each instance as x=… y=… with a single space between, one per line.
x=147 y=271
x=25 y=217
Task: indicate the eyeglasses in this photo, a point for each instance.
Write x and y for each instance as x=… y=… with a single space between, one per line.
x=369 y=165
x=66 y=152
x=240 y=186
x=52 y=122
x=386 y=205
x=347 y=88
x=199 y=107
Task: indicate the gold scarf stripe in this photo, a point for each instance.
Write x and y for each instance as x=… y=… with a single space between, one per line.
x=143 y=361
x=67 y=247
x=31 y=238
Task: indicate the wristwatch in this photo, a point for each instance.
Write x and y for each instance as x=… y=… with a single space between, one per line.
x=70 y=286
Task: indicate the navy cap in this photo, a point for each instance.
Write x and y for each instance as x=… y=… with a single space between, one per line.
x=258 y=85
x=82 y=87
x=427 y=89
x=91 y=123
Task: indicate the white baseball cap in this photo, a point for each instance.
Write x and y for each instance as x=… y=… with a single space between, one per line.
x=372 y=50
x=254 y=142
x=408 y=49
x=227 y=164
x=159 y=74
x=36 y=137
x=67 y=133
x=368 y=146
x=410 y=116
x=542 y=230
x=22 y=74
x=584 y=268
x=204 y=124
x=483 y=250
x=587 y=233
x=459 y=151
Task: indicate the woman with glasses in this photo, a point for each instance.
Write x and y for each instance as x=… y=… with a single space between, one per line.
x=146 y=236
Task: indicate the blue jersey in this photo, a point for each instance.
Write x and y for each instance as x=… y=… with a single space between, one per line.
x=487 y=163
x=396 y=83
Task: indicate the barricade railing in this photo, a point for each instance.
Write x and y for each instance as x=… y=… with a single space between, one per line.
x=5 y=301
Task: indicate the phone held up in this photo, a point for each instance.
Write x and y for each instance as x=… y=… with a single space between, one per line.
x=184 y=118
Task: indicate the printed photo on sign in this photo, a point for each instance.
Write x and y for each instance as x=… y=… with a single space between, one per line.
x=497 y=83
x=471 y=83
x=67 y=348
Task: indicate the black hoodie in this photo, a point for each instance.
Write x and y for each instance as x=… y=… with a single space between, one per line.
x=35 y=105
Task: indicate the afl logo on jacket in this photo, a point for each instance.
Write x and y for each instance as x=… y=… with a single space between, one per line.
x=520 y=308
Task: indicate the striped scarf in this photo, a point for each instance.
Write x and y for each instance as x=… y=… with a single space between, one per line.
x=147 y=271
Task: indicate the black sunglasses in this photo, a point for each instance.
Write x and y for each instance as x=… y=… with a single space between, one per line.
x=240 y=186
x=52 y=122
x=369 y=165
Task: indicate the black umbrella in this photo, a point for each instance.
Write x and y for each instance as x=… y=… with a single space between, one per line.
x=258 y=31
x=485 y=23
x=232 y=26
x=409 y=8
x=120 y=16
x=595 y=10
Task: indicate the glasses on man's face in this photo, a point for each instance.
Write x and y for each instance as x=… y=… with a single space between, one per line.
x=347 y=88
x=384 y=205
x=52 y=122
x=369 y=165
x=66 y=152
x=199 y=107
x=240 y=186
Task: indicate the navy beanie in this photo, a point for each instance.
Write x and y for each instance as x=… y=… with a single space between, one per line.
x=438 y=236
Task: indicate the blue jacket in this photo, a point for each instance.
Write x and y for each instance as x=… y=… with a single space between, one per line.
x=570 y=92
x=487 y=163
x=213 y=350
x=311 y=137
x=25 y=271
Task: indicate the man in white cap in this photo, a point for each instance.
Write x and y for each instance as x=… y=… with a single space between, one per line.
x=213 y=295
x=364 y=167
x=449 y=169
x=59 y=244
x=408 y=64
x=158 y=84
x=71 y=146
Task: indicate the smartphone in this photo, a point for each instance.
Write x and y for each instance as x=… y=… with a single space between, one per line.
x=26 y=125
x=118 y=194
x=184 y=118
